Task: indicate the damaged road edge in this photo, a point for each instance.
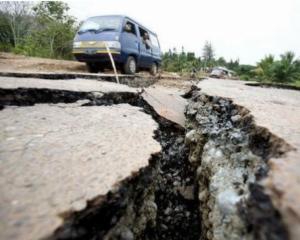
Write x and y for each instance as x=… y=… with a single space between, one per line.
x=231 y=154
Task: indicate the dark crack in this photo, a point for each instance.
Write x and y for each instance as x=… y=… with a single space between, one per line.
x=232 y=153
x=158 y=202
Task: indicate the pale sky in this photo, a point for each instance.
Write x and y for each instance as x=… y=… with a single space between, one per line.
x=243 y=29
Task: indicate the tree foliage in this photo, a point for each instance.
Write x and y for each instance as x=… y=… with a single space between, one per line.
x=189 y=62
x=15 y=22
x=44 y=29
x=268 y=69
x=287 y=69
x=180 y=62
x=208 y=54
x=54 y=32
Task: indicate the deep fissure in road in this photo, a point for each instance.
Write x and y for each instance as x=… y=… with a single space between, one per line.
x=158 y=202
x=232 y=155
x=204 y=184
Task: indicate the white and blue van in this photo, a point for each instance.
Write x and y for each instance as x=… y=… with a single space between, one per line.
x=132 y=45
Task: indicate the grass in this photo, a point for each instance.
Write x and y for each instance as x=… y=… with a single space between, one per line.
x=296 y=83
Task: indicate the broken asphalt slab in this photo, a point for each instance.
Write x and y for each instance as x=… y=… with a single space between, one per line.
x=57 y=157
x=168 y=104
x=54 y=158
x=130 y=80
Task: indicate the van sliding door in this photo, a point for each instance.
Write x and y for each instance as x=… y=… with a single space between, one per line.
x=130 y=40
x=145 y=49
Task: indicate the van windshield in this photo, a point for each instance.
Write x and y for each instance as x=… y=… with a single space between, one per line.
x=99 y=24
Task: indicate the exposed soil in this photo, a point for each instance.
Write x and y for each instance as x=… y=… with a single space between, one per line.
x=11 y=62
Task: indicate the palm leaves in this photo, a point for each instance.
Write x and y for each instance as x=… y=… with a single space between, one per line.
x=287 y=69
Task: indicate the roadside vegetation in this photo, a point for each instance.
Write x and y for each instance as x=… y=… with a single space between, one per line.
x=285 y=70
x=186 y=62
x=46 y=29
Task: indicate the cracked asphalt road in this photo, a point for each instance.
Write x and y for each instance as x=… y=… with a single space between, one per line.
x=55 y=157
x=82 y=85
x=37 y=183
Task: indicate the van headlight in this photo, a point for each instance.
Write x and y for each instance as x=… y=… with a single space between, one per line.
x=76 y=44
x=113 y=44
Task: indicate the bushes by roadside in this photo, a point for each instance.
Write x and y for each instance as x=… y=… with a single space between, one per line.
x=284 y=70
x=44 y=29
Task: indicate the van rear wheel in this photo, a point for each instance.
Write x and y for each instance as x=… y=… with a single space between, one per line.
x=154 y=69
x=130 y=65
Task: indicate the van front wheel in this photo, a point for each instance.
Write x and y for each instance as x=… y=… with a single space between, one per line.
x=130 y=66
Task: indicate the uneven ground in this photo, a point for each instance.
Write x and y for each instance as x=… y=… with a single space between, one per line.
x=12 y=62
x=37 y=140
x=91 y=159
x=59 y=124
x=278 y=110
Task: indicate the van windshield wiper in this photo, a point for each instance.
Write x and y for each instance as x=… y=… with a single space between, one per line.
x=87 y=30
x=104 y=29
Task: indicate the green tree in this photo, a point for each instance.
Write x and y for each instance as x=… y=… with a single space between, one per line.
x=52 y=10
x=208 y=54
x=6 y=38
x=182 y=62
x=264 y=68
x=15 y=21
x=53 y=33
x=233 y=65
x=286 y=70
x=221 y=62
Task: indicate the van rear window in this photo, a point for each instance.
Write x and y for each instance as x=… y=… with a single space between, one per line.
x=101 y=23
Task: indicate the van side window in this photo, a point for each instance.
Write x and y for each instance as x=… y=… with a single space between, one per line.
x=154 y=40
x=130 y=28
x=145 y=38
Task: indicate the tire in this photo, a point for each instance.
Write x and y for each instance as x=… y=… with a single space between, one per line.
x=154 y=69
x=93 y=67
x=130 y=66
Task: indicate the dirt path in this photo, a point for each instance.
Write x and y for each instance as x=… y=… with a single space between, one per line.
x=10 y=62
x=13 y=62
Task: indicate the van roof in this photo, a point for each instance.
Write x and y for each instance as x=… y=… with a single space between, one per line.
x=124 y=16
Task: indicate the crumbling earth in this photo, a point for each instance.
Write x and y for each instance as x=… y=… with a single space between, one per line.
x=88 y=159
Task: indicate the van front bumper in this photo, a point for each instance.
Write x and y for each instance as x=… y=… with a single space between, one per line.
x=97 y=55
